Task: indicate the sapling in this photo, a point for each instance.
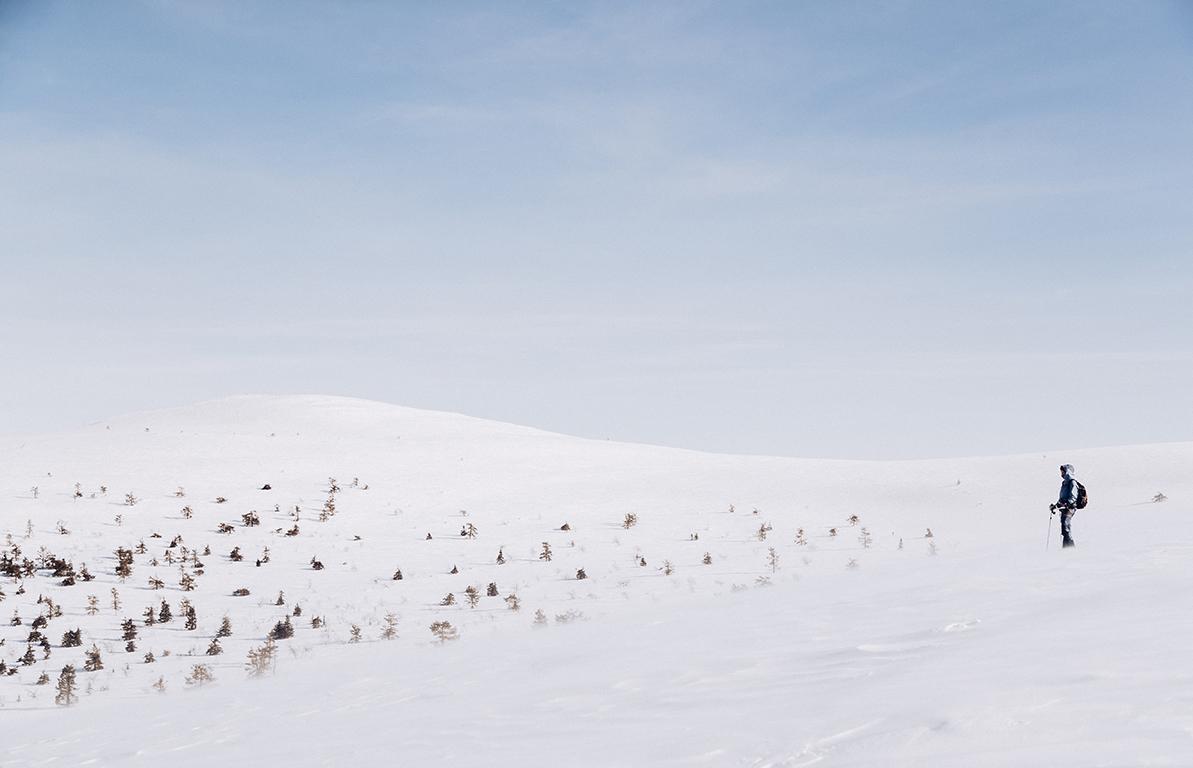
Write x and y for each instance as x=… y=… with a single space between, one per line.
x=260 y=660
x=282 y=630
x=444 y=631
x=66 y=687
x=94 y=662
x=200 y=675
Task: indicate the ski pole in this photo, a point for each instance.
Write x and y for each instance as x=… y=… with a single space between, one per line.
x=1048 y=542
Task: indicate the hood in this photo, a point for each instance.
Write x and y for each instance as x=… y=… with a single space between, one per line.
x=1067 y=471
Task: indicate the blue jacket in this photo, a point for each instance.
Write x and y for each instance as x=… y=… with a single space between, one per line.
x=1068 y=487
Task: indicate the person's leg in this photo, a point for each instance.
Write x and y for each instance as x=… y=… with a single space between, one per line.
x=1065 y=528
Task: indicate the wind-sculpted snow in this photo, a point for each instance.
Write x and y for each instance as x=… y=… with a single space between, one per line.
x=743 y=620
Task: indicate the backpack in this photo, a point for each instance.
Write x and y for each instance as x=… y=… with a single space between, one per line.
x=1082 y=496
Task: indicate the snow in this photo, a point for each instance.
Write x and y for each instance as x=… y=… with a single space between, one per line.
x=976 y=647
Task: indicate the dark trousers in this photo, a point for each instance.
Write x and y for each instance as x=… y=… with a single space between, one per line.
x=1066 y=516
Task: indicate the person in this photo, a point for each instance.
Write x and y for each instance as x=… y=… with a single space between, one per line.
x=1066 y=504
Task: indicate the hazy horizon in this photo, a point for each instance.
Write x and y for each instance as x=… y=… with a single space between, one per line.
x=852 y=230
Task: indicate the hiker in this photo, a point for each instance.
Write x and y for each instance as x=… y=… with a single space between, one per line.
x=1066 y=504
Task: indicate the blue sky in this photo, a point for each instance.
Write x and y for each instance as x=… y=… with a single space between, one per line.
x=824 y=229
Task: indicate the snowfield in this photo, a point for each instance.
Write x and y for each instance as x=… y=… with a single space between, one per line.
x=710 y=632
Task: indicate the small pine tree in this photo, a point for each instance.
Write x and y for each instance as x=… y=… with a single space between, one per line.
x=668 y=568
x=491 y=590
x=707 y=558
x=93 y=663
x=130 y=630
x=66 y=687
x=444 y=631
x=354 y=634
x=397 y=575
x=200 y=675
x=282 y=630
x=281 y=598
x=772 y=559
x=449 y=600
x=580 y=574
x=214 y=648
x=92 y=605
x=390 y=630
x=164 y=615
x=72 y=638
x=630 y=521
x=545 y=555
x=512 y=601
x=260 y=660
x=149 y=658
x=225 y=629
x=473 y=596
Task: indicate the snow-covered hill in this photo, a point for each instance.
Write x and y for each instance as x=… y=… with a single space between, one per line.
x=709 y=632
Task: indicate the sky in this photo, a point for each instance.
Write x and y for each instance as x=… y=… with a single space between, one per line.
x=856 y=230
